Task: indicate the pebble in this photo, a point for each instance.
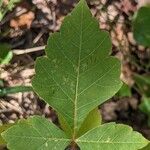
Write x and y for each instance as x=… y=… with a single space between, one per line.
x=26 y=105
x=103 y=17
x=13 y=102
x=103 y=2
x=13 y=116
x=11 y=121
x=112 y=12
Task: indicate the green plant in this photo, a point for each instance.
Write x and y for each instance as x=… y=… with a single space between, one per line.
x=5 y=57
x=74 y=78
x=2 y=129
x=141 y=30
x=146 y=148
x=124 y=91
x=141 y=26
x=4 y=8
x=142 y=85
x=145 y=107
x=5 y=54
x=11 y=90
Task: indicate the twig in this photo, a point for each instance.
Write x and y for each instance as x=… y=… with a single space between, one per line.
x=39 y=36
x=5 y=110
x=11 y=106
x=29 y=50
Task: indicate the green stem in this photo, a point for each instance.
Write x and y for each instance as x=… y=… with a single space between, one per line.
x=16 y=89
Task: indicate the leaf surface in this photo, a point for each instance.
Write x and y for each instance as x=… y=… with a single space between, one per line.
x=77 y=74
x=125 y=91
x=93 y=120
x=74 y=78
x=2 y=129
x=143 y=83
x=5 y=8
x=141 y=26
x=112 y=136
x=5 y=53
x=146 y=148
x=35 y=133
x=145 y=105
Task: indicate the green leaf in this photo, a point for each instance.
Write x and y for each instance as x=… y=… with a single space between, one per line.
x=141 y=26
x=11 y=90
x=1 y=83
x=145 y=105
x=74 y=78
x=4 y=9
x=5 y=53
x=112 y=136
x=146 y=148
x=64 y=125
x=2 y=129
x=77 y=74
x=143 y=83
x=12 y=4
x=35 y=133
x=93 y=120
x=124 y=91
x=145 y=78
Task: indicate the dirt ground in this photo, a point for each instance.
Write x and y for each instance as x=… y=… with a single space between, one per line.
x=30 y=24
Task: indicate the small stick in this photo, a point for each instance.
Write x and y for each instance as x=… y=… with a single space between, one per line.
x=11 y=106
x=38 y=36
x=29 y=50
x=6 y=110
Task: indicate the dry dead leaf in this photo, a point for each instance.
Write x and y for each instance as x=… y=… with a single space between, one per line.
x=23 y=21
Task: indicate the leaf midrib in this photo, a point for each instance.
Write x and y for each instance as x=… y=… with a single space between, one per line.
x=105 y=142
x=77 y=82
